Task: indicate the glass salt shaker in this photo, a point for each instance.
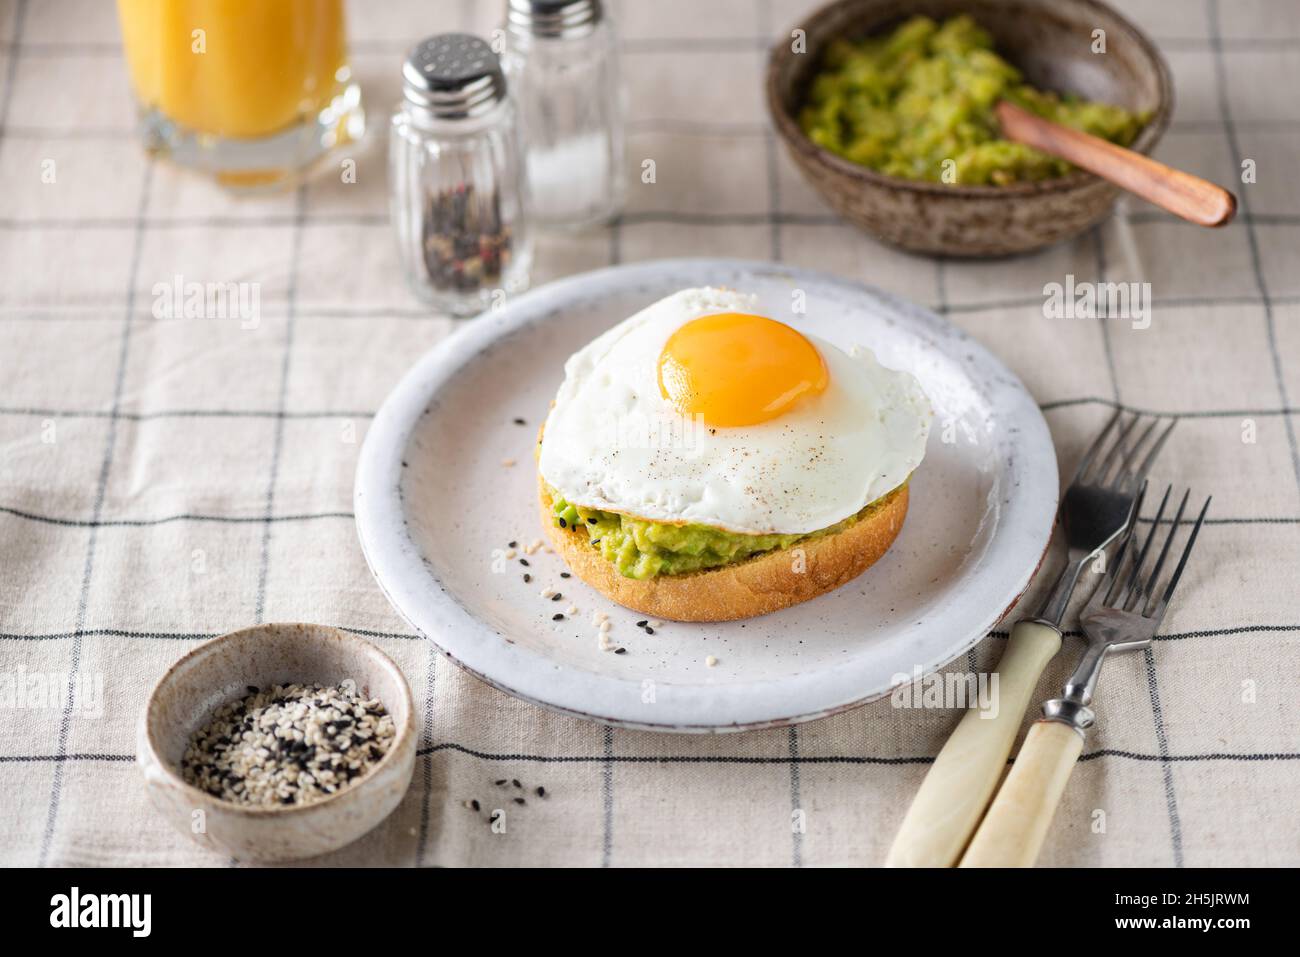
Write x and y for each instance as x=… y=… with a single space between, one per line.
x=562 y=60
x=457 y=188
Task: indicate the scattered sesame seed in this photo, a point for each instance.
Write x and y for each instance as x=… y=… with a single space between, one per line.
x=507 y=463
x=512 y=544
x=563 y=523
x=515 y=782
x=520 y=801
x=565 y=575
x=649 y=630
x=557 y=596
x=642 y=623
x=557 y=617
x=510 y=553
x=605 y=626
x=547 y=592
x=571 y=610
x=656 y=624
x=711 y=661
x=620 y=651
x=541 y=791
x=524 y=562
x=527 y=577
x=520 y=422
x=500 y=782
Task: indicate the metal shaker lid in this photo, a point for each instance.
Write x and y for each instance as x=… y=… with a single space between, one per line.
x=553 y=18
x=453 y=75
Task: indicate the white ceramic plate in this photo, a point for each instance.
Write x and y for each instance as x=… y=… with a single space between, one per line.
x=436 y=507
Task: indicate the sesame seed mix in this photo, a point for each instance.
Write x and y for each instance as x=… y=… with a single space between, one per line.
x=291 y=744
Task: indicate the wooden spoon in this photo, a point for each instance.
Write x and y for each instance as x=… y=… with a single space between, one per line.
x=1194 y=199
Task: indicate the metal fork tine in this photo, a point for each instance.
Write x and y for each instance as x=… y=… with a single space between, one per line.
x=1107 y=583
x=1142 y=471
x=1149 y=586
x=1125 y=474
x=1159 y=611
x=1116 y=450
x=1129 y=589
x=1097 y=443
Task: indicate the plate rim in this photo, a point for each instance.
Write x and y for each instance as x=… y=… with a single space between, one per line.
x=379 y=469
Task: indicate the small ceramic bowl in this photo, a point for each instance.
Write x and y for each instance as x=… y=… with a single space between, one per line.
x=220 y=671
x=1051 y=42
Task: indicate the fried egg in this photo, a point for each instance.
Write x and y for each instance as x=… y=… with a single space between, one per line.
x=698 y=410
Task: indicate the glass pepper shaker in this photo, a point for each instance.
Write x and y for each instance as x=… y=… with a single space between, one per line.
x=562 y=60
x=457 y=189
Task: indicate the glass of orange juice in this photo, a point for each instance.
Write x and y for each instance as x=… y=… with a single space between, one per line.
x=252 y=91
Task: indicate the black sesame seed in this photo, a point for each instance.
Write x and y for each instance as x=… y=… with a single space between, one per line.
x=620 y=651
x=541 y=792
x=649 y=630
x=520 y=422
x=643 y=622
x=557 y=617
x=520 y=801
x=474 y=804
x=524 y=562
x=527 y=577
x=512 y=544
x=499 y=783
x=556 y=597
x=565 y=575
x=515 y=782
x=563 y=524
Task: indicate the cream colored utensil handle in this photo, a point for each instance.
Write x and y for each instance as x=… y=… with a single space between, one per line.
x=963 y=777
x=1014 y=828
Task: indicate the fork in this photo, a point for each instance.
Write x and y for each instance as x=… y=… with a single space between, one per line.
x=1122 y=615
x=1097 y=507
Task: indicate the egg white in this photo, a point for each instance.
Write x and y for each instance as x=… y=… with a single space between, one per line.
x=613 y=442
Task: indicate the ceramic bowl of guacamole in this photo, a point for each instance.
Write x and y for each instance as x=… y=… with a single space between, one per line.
x=886 y=107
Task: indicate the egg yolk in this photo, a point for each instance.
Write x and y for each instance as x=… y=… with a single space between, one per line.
x=736 y=369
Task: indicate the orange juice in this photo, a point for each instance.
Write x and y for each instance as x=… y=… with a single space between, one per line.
x=234 y=68
x=251 y=90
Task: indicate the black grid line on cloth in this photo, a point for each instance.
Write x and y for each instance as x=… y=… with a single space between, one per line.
x=773 y=217
x=607 y=798
x=11 y=71
x=635 y=45
x=663 y=124
x=1153 y=689
x=274 y=414
x=277 y=440
x=1235 y=156
x=101 y=490
x=763 y=16
x=426 y=744
x=372 y=633
x=723 y=759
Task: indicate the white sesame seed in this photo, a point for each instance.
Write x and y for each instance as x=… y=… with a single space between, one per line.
x=547 y=592
x=571 y=610
x=605 y=626
x=510 y=553
x=507 y=463
x=656 y=624
x=711 y=661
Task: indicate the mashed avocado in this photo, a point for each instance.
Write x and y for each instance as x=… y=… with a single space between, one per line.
x=904 y=103
x=643 y=549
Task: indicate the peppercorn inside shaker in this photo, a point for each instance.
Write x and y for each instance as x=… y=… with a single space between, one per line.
x=561 y=57
x=457 y=189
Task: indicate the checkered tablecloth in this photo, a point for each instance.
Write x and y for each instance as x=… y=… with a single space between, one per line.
x=165 y=480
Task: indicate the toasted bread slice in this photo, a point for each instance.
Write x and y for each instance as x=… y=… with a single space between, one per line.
x=752 y=587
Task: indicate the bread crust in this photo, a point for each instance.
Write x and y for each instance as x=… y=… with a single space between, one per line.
x=756 y=586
